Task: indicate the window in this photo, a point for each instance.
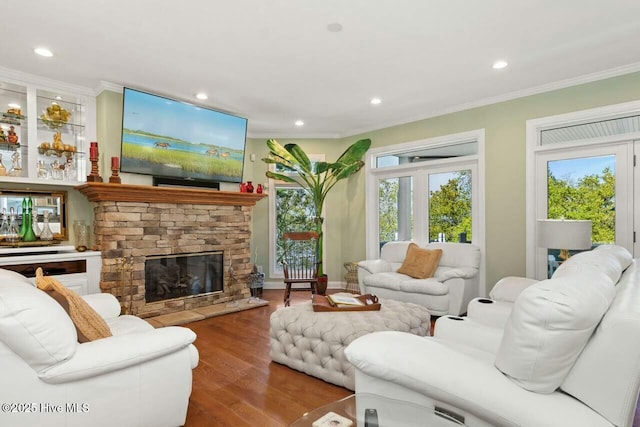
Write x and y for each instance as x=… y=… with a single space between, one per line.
x=290 y=209
x=582 y=167
x=428 y=190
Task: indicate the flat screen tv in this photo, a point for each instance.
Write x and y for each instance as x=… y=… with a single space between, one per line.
x=173 y=139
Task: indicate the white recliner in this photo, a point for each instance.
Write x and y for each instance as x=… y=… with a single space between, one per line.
x=454 y=283
x=564 y=352
x=138 y=377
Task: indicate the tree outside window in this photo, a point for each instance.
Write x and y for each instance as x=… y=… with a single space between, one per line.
x=450 y=206
x=589 y=197
x=294 y=212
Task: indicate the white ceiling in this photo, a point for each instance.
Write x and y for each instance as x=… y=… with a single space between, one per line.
x=275 y=61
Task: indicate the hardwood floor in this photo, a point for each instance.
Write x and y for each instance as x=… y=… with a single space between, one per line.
x=236 y=384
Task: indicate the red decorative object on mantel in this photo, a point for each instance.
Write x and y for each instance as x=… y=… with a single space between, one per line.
x=115 y=167
x=249 y=187
x=94 y=175
x=243 y=187
x=259 y=189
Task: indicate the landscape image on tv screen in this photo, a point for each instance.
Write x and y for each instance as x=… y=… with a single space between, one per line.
x=168 y=138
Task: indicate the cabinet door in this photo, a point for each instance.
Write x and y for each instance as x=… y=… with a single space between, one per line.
x=13 y=130
x=61 y=134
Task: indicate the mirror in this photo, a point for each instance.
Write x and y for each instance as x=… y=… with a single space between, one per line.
x=53 y=202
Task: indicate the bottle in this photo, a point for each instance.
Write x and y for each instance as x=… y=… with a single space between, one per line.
x=29 y=235
x=34 y=222
x=46 y=234
x=3 y=170
x=23 y=219
x=12 y=235
x=4 y=228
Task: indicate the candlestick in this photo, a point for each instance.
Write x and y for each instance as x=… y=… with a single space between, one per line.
x=94 y=175
x=114 y=178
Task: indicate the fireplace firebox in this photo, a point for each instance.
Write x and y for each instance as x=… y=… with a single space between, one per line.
x=183 y=275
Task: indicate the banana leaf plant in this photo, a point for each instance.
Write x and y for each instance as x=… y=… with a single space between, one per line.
x=316 y=178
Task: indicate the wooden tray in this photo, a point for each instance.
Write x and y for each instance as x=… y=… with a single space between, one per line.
x=321 y=303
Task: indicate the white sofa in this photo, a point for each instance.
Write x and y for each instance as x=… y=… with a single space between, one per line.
x=138 y=377
x=454 y=284
x=565 y=352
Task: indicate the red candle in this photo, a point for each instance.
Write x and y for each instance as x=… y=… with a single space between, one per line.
x=93 y=152
x=115 y=163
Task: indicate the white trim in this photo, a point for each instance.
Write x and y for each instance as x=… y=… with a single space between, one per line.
x=112 y=87
x=22 y=78
x=533 y=147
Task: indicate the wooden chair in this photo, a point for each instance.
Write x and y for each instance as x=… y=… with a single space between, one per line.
x=300 y=261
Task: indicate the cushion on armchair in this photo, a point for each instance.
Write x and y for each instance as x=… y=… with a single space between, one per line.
x=550 y=324
x=89 y=325
x=420 y=263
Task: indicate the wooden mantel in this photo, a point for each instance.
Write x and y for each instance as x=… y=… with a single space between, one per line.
x=103 y=192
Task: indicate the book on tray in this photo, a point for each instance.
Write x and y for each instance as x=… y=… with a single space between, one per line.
x=344 y=301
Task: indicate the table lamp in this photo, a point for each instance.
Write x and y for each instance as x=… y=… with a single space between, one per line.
x=564 y=234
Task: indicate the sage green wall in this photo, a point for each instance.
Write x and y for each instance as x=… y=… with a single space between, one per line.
x=504 y=125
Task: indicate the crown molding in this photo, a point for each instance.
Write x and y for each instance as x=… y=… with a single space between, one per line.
x=562 y=84
x=21 y=78
x=105 y=85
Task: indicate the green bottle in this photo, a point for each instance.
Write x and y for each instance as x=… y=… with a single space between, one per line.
x=23 y=219
x=29 y=235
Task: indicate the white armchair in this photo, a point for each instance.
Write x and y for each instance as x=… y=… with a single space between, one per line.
x=454 y=283
x=564 y=356
x=140 y=376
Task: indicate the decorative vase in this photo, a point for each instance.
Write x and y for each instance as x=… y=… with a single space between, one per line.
x=259 y=189
x=34 y=223
x=29 y=235
x=82 y=235
x=249 y=187
x=23 y=219
x=46 y=233
x=322 y=284
x=243 y=187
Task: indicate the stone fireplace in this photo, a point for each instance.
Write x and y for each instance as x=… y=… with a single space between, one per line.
x=142 y=224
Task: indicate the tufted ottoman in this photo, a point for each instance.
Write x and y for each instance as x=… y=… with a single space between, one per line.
x=314 y=342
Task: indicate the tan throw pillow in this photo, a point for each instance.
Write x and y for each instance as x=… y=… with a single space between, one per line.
x=420 y=263
x=89 y=325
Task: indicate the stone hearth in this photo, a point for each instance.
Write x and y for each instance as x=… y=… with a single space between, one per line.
x=134 y=222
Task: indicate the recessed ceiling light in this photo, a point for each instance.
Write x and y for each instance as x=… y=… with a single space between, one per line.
x=334 y=27
x=43 y=51
x=375 y=101
x=500 y=64
x=299 y=123
x=202 y=96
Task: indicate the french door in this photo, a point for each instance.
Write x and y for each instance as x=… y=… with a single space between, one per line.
x=586 y=183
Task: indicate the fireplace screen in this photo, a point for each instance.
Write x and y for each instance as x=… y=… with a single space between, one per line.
x=174 y=276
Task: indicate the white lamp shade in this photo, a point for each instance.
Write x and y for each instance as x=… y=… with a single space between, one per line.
x=564 y=234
